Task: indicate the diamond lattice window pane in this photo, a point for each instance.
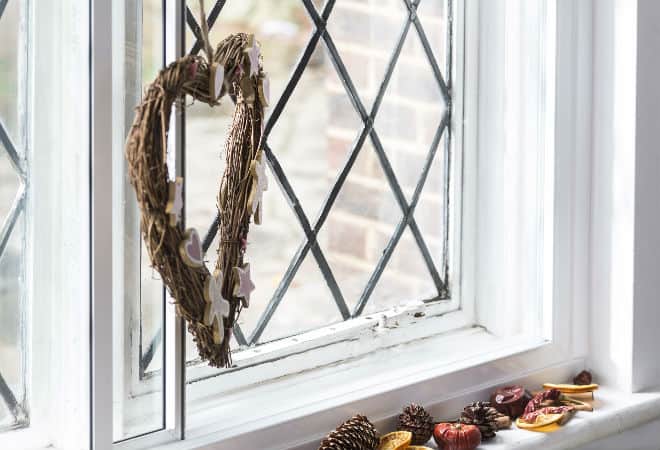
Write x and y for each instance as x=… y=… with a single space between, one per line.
x=359 y=225
x=433 y=15
x=365 y=33
x=315 y=132
x=271 y=248
x=312 y=140
x=308 y=304
x=9 y=185
x=409 y=116
x=11 y=71
x=12 y=311
x=431 y=208
x=283 y=29
x=406 y=277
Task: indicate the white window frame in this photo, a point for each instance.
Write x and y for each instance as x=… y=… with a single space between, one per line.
x=553 y=350
x=58 y=245
x=580 y=229
x=330 y=344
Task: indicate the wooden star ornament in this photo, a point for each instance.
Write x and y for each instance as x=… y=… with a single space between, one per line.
x=253 y=52
x=259 y=185
x=216 y=80
x=243 y=286
x=217 y=307
x=264 y=90
x=174 y=201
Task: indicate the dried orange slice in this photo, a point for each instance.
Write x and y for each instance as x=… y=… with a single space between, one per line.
x=571 y=388
x=541 y=420
x=418 y=447
x=547 y=428
x=397 y=440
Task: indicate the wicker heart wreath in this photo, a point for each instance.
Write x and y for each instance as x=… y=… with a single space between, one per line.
x=209 y=302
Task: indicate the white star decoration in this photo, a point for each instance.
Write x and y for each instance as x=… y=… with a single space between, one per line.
x=175 y=200
x=217 y=307
x=264 y=90
x=260 y=183
x=253 y=53
x=244 y=286
x=216 y=80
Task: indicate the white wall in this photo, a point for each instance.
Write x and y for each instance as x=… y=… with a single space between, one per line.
x=625 y=218
x=646 y=331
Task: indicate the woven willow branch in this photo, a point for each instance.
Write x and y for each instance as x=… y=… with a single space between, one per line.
x=146 y=149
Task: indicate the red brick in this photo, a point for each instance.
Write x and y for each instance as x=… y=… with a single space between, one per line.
x=417 y=82
x=342 y=114
x=346 y=237
x=367 y=202
x=396 y=120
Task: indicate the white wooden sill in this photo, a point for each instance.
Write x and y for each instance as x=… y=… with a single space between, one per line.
x=296 y=411
x=615 y=412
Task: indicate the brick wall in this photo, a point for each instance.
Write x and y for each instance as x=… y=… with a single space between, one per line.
x=365 y=214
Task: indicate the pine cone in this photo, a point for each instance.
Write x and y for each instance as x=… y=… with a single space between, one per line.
x=357 y=433
x=484 y=416
x=415 y=419
x=582 y=378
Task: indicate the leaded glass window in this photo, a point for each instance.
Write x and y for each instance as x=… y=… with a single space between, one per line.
x=13 y=198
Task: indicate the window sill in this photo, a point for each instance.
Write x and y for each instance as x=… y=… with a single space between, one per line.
x=296 y=411
x=615 y=412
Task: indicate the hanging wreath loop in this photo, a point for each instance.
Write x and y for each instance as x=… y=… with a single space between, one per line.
x=209 y=301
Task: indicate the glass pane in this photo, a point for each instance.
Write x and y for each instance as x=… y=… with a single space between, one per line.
x=312 y=140
x=410 y=113
x=308 y=304
x=283 y=29
x=313 y=136
x=365 y=33
x=271 y=247
x=405 y=278
x=151 y=287
x=139 y=303
x=9 y=184
x=12 y=330
x=430 y=210
x=359 y=224
x=433 y=16
x=13 y=354
x=12 y=71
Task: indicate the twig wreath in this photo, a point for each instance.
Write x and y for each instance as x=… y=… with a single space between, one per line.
x=209 y=302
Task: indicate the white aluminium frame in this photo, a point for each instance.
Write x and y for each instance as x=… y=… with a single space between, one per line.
x=568 y=294
x=101 y=22
x=338 y=341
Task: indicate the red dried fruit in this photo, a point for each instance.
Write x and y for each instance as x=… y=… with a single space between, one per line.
x=535 y=403
x=456 y=436
x=531 y=417
x=510 y=400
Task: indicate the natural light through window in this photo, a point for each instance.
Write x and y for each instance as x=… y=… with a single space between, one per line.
x=357 y=217
x=13 y=191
